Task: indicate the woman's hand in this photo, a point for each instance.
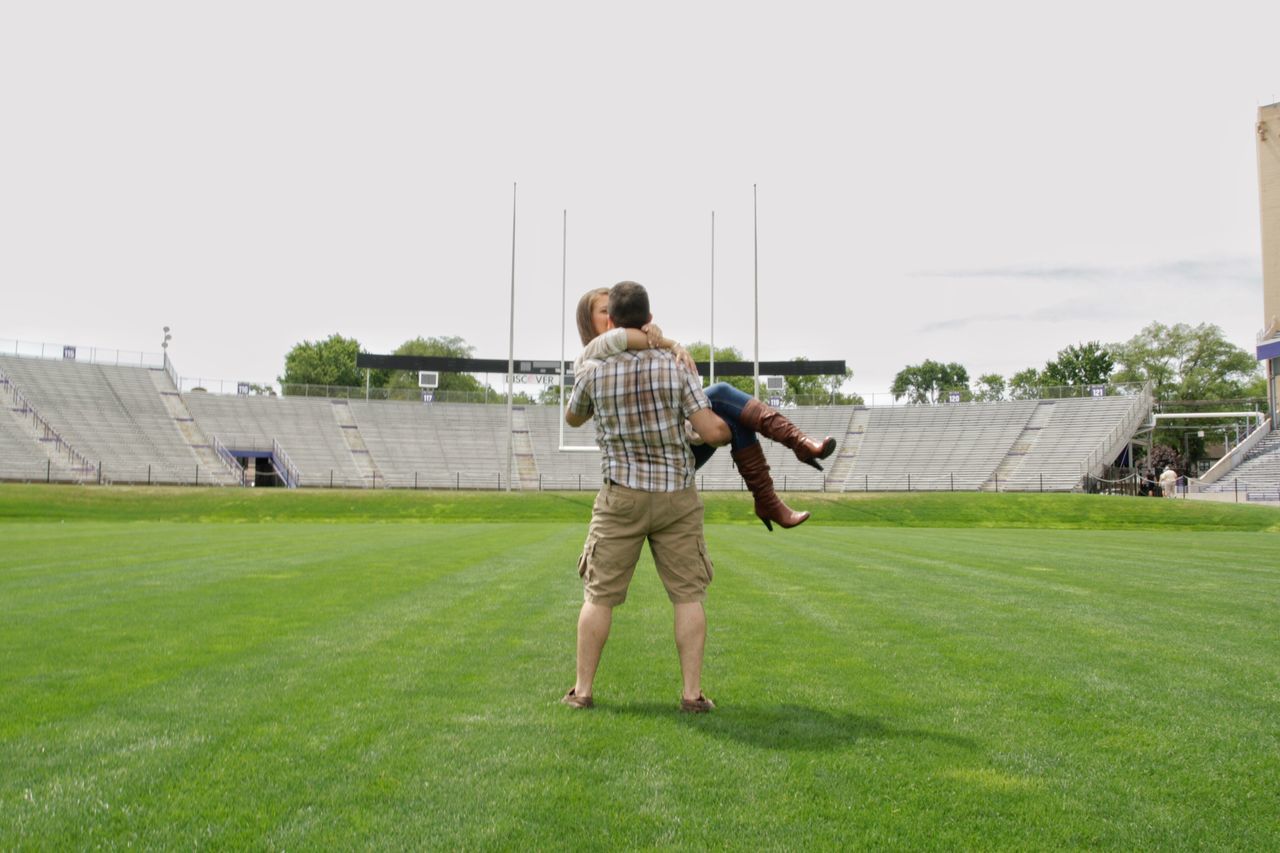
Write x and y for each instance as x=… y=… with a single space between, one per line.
x=659 y=341
x=654 y=333
x=691 y=436
x=682 y=356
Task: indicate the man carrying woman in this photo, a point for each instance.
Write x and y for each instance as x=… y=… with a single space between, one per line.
x=744 y=415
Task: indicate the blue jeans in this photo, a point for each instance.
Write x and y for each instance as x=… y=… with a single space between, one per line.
x=727 y=402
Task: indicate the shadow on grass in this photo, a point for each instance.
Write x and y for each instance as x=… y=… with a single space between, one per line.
x=788 y=727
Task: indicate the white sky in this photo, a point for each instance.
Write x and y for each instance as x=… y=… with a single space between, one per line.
x=982 y=182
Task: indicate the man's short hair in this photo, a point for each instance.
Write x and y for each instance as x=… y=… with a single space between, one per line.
x=629 y=305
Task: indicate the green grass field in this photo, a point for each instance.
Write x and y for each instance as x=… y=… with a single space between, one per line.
x=230 y=669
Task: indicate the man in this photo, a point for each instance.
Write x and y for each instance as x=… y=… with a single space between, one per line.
x=640 y=400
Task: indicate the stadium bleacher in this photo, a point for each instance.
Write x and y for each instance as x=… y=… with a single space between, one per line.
x=135 y=422
x=1071 y=431
x=21 y=456
x=304 y=426
x=1258 y=476
x=114 y=416
x=936 y=447
x=442 y=445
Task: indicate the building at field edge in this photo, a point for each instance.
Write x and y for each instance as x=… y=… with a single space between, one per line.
x=1268 y=135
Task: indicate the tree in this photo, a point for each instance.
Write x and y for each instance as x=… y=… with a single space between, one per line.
x=550 y=395
x=832 y=385
x=990 y=388
x=1025 y=385
x=1186 y=362
x=1085 y=364
x=1163 y=456
x=328 y=362
x=702 y=352
x=818 y=388
x=927 y=381
x=447 y=347
x=805 y=389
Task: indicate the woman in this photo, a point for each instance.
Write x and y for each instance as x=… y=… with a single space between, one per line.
x=745 y=415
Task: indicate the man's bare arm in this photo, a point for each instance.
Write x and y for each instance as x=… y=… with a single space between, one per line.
x=711 y=427
x=575 y=420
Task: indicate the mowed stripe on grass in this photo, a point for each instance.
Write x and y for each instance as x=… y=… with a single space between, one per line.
x=1128 y=681
x=308 y=684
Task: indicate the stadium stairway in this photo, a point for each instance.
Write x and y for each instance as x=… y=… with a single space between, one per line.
x=850 y=447
x=522 y=449
x=1258 y=476
x=220 y=472
x=1008 y=469
x=360 y=455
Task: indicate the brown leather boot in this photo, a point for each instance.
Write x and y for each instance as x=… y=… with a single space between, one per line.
x=755 y=473
x=771 y=423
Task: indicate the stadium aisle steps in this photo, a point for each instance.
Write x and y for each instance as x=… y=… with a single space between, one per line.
x=219 y=471
x=356 y=445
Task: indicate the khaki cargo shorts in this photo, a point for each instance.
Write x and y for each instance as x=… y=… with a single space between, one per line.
x=621 y=520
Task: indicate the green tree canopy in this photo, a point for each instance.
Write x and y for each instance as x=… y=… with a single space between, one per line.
x=1025 y=385
x=446 y=347
x=1185 y=362
x=819 y=388
x=989 y=388
x=328 y=362
x=927 y=381
x=806 y=388
x=832 y=385
x=1083 y=364
x=702 y=352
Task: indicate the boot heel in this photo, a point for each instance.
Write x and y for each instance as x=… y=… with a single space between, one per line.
x=768 y=506
x=825 y=449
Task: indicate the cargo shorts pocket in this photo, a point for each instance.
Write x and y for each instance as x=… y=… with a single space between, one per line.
x=584 y=560
x=707 y=565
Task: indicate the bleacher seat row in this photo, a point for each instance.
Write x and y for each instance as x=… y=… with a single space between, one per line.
x=136 y=425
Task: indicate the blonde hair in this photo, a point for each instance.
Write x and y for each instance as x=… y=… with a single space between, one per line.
x=587 y=329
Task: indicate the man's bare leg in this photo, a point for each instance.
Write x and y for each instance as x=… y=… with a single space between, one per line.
x=593 y=629
x=691 y=640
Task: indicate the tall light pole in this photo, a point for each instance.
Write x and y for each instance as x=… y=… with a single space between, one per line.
x=564 y=273
x=713 y=299
x=511 y=351
x=755 y=229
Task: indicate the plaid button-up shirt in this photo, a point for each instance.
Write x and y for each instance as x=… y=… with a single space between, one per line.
x=641 y=400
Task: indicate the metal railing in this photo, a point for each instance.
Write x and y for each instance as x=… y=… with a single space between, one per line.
x=73 y=352
x=233 y=467
x=1126 y=428
x=117 y=474
x=281 y=464
x=968 y=397
x=77 y=462
x=284 y=466
x=532 y=396
x=171 y=371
